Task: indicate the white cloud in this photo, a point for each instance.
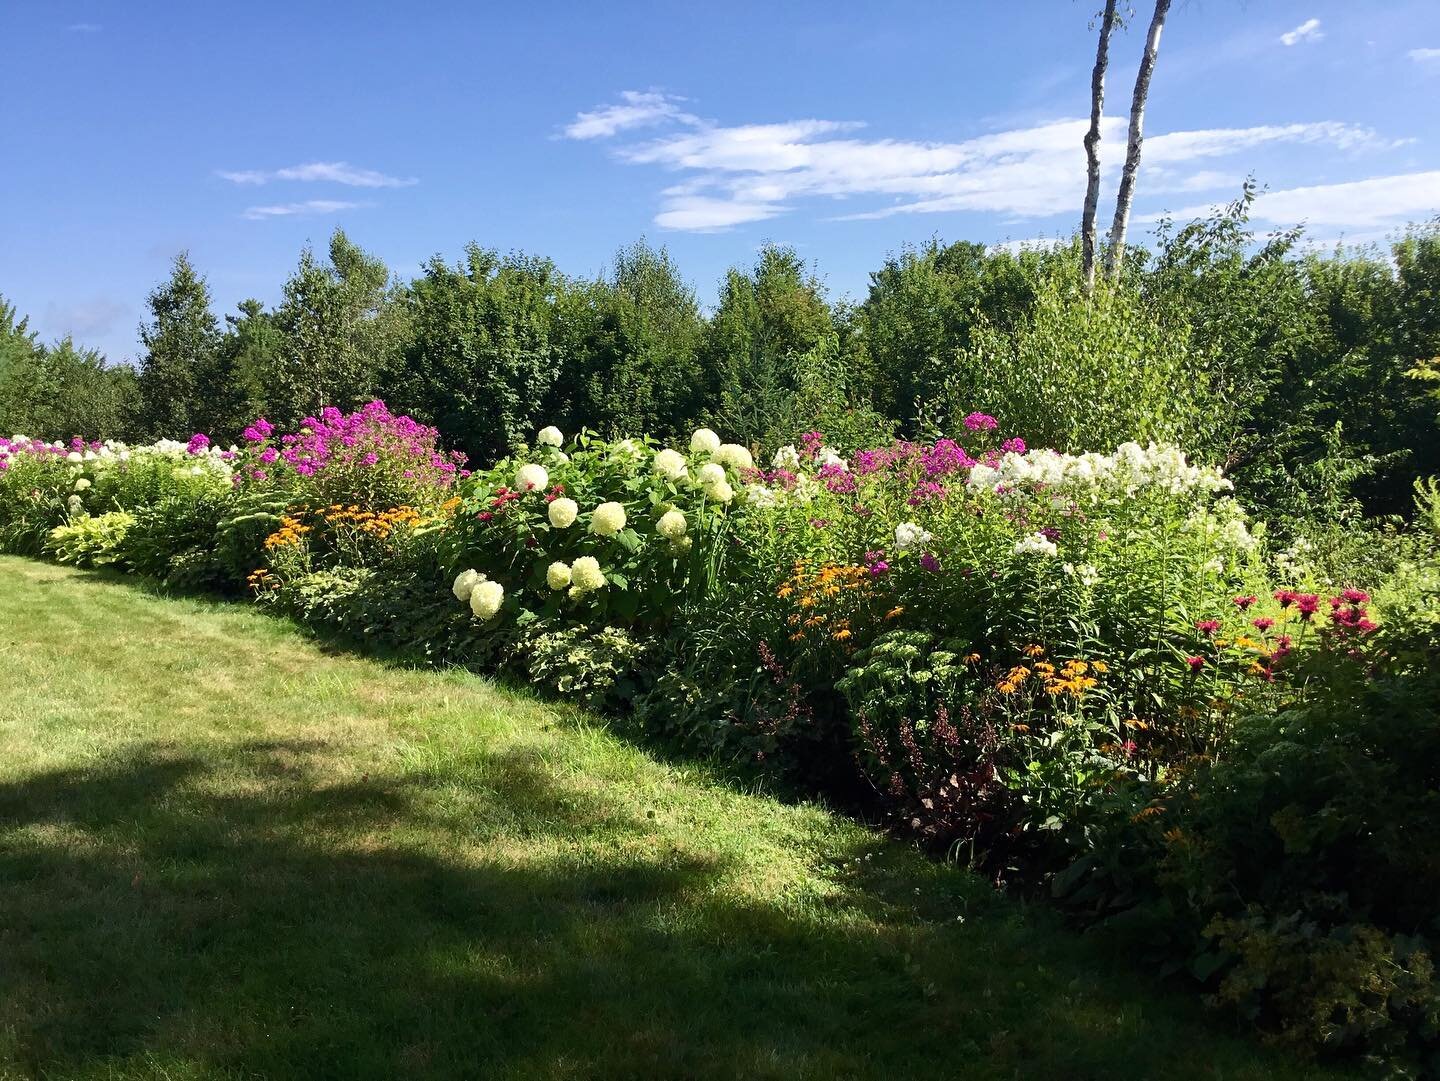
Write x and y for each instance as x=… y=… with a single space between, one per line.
x=87 y=318
x=732 y=175
x=1309 y=30
x=1424 y=56
x=309 y=207
x=1379 y=203
x=332 y=172
x=637 y=109
x=705 y=214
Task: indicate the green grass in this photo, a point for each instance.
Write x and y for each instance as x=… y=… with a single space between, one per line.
x=226 y=852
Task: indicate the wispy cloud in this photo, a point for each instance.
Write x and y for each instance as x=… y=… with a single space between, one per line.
x=84 y=28
x=1424 y=56
x=731 y=175
x=307 y=208
x=1378 y=203
x=86 y=318
x=332 y=172
x=636 y=109
x=1309 y=30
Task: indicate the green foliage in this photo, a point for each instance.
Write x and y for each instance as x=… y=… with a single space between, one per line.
x=178 y=369
x=760 y=347
x=629 y=344
x=61 y=391
x=921 y=311
x=482 y=353
x=89 y=541
x=1084 y=371
x=592 y=668
x=341 y=331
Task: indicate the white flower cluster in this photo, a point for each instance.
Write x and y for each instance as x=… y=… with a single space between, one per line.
x=715 y=483
x=1036 y=544
x=607 y=519
x=485 y=596
x=1131 y=467
x=910 y=535
x=671 y=525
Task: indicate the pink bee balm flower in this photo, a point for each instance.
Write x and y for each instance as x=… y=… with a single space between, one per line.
x=1195 y=663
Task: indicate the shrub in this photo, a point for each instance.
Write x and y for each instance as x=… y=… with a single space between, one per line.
x=368 y=458
x=90 y=541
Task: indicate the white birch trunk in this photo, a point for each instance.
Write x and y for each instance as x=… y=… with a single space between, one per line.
x=1115 y=253
x=1092 y=144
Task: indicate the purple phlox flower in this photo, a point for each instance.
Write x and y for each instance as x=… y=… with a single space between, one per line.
x=981 y=422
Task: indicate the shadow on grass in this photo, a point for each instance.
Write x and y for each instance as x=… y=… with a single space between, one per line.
x=243 y=914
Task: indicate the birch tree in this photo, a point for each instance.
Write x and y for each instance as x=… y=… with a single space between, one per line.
x=1115 y=251
x=1092 y=143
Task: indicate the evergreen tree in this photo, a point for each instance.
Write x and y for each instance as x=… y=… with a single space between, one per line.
x=769 y=326
x=180 y=341
x=342 y=332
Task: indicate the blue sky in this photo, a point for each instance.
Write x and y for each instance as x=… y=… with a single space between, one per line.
x=847 y=130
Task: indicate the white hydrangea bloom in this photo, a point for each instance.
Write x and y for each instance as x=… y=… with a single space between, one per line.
x=531 y=477
x=585 y=574
x=550 y=436
x=830 y=457
x=720 y=493
x=908 y=535
x=1036 y=544
x=562 y=512
x=73 y=456
x=607 y=519
x=82 y=484
x=712 y=473
x=557 y=575
x=670 y=464
x=735 y=456
x=465 y=583
x=704 y=441
x=671 y=525
x=486 y=599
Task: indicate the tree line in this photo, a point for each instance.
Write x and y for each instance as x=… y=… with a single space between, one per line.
x=1293 y=368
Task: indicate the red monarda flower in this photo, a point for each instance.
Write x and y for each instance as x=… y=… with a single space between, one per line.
x=1262 y=623
x=1195 y=663
x=1207 y=626
x=1245 y=602
x=1286 y=597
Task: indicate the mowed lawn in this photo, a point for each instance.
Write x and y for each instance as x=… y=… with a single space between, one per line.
x=226 y=852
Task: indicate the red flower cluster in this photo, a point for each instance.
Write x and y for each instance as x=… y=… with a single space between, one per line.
x=1348 y=615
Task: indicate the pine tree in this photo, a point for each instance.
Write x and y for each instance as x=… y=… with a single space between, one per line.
x=180 y=343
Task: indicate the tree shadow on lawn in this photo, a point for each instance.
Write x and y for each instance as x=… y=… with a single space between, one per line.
x=238 y=914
